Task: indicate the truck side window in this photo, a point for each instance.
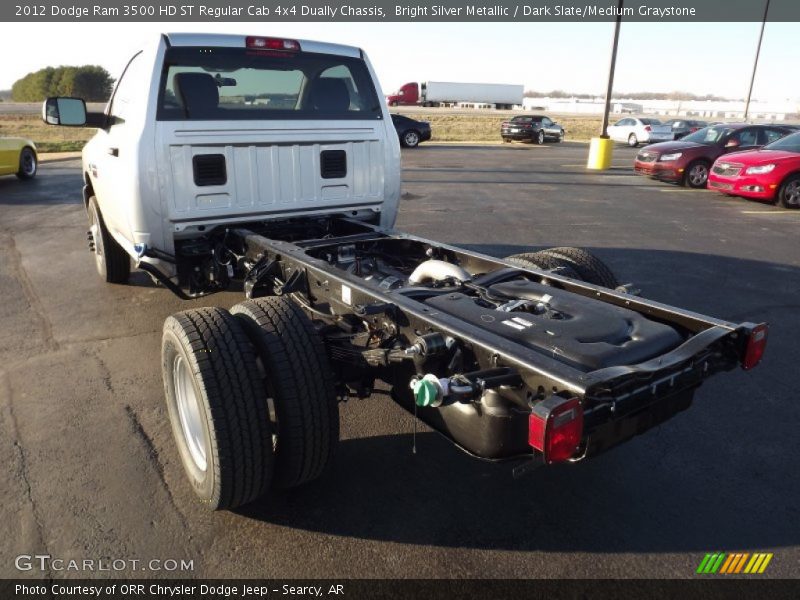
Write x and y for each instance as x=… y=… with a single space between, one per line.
x=125 y=93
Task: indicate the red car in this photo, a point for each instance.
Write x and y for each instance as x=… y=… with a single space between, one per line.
x=770 y=174
x=687 y=161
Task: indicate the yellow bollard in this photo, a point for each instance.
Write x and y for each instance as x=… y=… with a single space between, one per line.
x=600 y=154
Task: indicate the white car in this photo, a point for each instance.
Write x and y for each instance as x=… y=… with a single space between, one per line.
x=635 y=131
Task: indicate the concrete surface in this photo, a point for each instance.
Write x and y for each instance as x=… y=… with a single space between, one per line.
x=91 y=470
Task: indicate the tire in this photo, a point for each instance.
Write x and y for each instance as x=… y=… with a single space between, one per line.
x=588 y=267
x=543 y=261
x=633 y=141
x=506 y=140
x=540 y=137
x=696 y=175
x=217 y=407
x=112 y=262
x=410 y=138
x=789 y=192
x=299 y=384
x=28 y=163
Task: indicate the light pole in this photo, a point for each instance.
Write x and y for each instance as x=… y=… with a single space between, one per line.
x=611 y=69
x=600 y=149
x=755 y=62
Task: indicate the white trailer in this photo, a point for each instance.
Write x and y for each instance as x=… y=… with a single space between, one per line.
x=499 y=95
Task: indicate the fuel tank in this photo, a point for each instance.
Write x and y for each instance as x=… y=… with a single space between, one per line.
x=584 y=333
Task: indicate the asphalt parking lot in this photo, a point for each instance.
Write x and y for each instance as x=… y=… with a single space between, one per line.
x=91 y=470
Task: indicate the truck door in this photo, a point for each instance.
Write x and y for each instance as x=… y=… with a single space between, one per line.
x=114 y=156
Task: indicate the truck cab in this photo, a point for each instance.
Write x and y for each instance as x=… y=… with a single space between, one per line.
x=203 y=130
x=407 y=95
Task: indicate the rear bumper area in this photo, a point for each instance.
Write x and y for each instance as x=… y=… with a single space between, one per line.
x=517 y=135
x=607 y=432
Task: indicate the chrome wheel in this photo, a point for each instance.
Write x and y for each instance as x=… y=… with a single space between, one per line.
x=411 y=138
x=189 y=412
x=697 y=175
x=633 y=141
x=27 y=163
x=790 y=194
x=96 y=242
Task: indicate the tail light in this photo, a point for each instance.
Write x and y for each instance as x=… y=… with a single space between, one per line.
x=267 y=43
x=756 y=344
x=555 y=428
x=648 y=128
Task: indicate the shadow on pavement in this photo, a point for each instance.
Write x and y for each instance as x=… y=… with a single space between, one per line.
x=55 y=183
x=720 y=475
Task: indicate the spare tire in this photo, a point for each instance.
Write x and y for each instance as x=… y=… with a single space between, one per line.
x=544 y=261
x=588 y=267
x=300 y=387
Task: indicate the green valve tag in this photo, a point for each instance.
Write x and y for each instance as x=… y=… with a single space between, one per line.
x=425 y=392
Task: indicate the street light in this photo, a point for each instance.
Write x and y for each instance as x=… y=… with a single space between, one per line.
x=755 y=62
x=600 y=149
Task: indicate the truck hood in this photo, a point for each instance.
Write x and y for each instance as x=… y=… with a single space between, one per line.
x=761 y=157
x=676 y=146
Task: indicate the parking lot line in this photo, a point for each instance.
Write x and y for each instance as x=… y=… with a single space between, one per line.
x=770 y=212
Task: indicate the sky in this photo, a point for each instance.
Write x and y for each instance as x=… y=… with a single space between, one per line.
x=702 y=58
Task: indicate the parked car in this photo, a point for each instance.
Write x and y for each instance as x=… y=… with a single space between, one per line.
x=688 y=161
x=18 y=157
x=679 y=128
x=410 y=131
x=635 y=131
x=771 y=174
x=534 y=128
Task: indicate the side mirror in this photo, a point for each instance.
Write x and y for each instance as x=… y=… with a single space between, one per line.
x=70 y=112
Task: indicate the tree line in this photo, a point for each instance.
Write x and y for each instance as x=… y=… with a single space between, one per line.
x=90 y=82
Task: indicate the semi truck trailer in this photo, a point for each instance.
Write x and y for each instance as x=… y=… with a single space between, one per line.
x=443 y=93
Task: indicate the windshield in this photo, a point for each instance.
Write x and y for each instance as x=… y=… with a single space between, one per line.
x=791 y=143
x=241 y=84
x=707 y=135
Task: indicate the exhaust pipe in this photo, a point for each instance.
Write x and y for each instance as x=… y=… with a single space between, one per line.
x=438 y=270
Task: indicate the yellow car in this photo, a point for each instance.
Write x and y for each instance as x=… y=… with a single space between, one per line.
x=18 y=157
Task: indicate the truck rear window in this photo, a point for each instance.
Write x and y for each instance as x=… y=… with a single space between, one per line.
x=241 y=84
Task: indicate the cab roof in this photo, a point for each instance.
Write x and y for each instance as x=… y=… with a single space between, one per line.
x=238 y=41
